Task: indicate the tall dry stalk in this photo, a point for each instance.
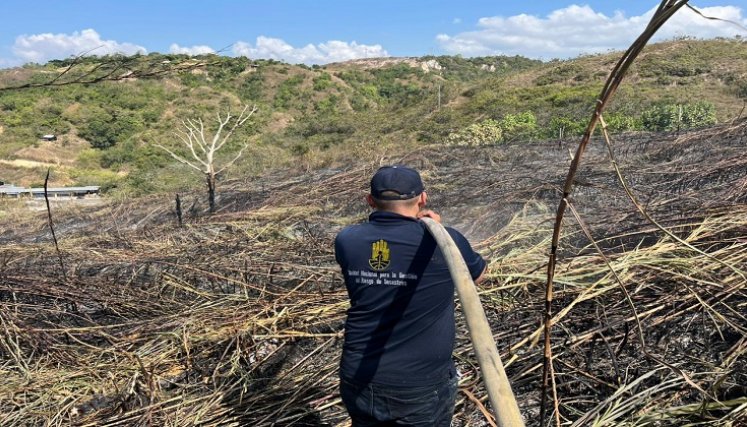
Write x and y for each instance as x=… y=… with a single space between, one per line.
x=51 y=226
x=666 y=9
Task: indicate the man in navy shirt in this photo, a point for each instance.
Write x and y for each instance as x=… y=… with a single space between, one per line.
x=396 y=366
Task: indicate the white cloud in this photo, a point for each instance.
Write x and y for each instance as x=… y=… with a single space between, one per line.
x=323 y=53
x=192 y=51
x=577 y=30
x=8 y=63
x=457 y=21
x=46 y=46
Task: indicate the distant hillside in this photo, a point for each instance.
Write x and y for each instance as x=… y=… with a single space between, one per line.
x=325 y=115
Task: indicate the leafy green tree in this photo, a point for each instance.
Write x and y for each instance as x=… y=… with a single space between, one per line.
x=104 y=128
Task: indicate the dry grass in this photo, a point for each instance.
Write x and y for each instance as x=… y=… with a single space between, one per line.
x=236 y=319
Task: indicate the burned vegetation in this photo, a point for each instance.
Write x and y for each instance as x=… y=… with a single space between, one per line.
x=236 y=318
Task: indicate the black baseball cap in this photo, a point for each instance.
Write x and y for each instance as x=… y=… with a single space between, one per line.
x=396 y=183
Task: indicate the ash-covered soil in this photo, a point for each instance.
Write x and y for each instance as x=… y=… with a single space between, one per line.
x=236 y=318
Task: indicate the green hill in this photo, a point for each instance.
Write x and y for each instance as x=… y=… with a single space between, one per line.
x=312 y=117
x=137 y=316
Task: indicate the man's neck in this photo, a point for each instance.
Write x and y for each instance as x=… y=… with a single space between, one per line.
x=404 y=212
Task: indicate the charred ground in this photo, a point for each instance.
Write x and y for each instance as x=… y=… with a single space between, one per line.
x=236 y=318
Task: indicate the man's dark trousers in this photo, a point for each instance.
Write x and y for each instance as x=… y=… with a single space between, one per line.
x=383 y=405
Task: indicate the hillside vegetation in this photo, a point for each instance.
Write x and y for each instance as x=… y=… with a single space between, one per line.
x=324 y=116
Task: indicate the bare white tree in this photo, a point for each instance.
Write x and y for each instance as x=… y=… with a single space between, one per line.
x=203 y=148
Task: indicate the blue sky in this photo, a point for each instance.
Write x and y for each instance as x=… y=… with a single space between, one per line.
x=324 y=31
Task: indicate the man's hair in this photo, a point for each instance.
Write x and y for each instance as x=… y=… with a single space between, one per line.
x=391 y=205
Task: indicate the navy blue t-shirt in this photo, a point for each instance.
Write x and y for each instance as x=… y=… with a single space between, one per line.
x=400 y=326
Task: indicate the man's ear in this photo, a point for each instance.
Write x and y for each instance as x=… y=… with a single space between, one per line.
x=423 y=200
x=370 y=200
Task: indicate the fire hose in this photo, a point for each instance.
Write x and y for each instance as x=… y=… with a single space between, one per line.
x=496 y=382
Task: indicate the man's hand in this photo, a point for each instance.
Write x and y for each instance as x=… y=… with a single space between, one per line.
x=481 y=277
x=430 y=214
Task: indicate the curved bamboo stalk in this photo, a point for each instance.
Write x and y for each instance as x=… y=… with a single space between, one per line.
x=666 y=9
x=499 y=389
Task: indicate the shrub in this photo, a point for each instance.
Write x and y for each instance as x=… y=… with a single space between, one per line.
x=89 y=159
x=619 y=122
x=398 y=71
x=192 y=80
x=322 y=81
x=106 y=179
x=742 y=90
x=353 y=76
x=687 y=64
x=120 y=155
x=369 y=91
x=669 y=117
x=358 y=102
x=327 y=105
x=484 y=133
x=252 y=86
x=560 y=74
x=318 y=124
x=400 y=94
x=287 y=91
x=440 y=124
x=566 y=126
x=222 y=68
x=519 y=126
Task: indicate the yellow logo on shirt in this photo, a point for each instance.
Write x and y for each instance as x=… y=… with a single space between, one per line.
x=379 y=255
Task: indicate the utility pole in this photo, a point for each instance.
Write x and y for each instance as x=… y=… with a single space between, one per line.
x=440 y=75
x=439 y=96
